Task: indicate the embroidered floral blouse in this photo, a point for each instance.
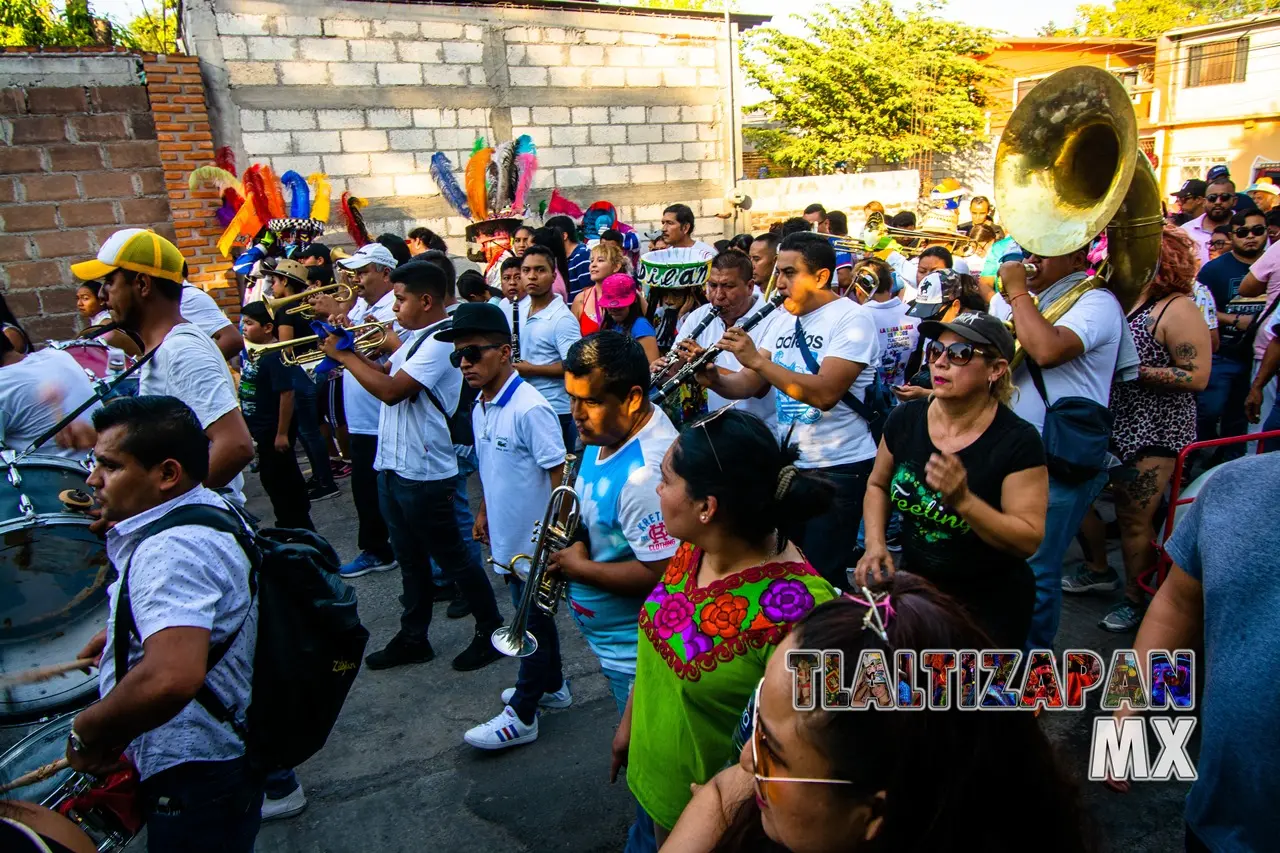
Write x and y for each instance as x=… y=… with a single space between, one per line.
x=701 y=652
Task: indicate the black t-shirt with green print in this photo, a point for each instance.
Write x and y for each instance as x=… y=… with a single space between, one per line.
x=997 y=587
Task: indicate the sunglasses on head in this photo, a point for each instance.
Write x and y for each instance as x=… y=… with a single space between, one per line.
x=960 y=353
x=1212 y=197
x=472 y=354
x=1256 y=231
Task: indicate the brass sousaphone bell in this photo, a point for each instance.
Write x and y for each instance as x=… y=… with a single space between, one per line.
x=1068 y=167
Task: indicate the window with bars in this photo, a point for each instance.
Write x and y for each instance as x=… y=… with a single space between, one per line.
x=1217 y=62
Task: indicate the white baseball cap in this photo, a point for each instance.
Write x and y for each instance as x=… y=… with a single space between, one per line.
x=370 y=253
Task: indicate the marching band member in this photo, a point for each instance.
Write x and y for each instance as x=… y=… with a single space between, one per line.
x=764 y=254
x=372 y=265
x=143 y=286
x=36 y=389
x=547 y=331
x=818 y=355
x=418 y=393
x=199 y=309
x=518 y=440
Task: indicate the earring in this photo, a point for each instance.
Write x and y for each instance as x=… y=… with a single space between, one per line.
x=703 y=518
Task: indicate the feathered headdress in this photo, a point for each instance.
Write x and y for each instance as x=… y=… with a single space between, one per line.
x=526 y=167
x=475 y=177
x=299 y=195
x=257 y=200
x=442 y=174
x=354 y=220
x=561 y=206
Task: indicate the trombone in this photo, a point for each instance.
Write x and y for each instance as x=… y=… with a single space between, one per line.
x=341 y=292
x=368 y=338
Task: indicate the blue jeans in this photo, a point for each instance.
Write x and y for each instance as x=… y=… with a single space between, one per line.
x=421 y=521
x=462 y=509
x=281 y=783
x=540 y=672
x=307 y=418
x=828 y=540
x=892 y=529
x=202 y=807
x=1067 y=506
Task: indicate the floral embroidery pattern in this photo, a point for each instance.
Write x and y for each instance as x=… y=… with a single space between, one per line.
x=695 y=629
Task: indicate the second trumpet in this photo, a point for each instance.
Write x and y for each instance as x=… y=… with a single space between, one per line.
x=368 y=338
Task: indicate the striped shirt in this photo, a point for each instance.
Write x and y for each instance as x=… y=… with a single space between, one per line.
x=579 y=270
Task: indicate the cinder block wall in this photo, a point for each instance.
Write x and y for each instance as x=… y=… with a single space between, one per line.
x=629 y=108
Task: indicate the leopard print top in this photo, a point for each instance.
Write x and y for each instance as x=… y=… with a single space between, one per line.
x=1150 y=422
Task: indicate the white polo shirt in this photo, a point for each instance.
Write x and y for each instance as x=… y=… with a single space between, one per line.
x=413 y=435
x=518 y=441
x=764 y=407
x=185 y=577
x=545 y=338
x=360 y=406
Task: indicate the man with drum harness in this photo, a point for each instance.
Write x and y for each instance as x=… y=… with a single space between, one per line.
x=35 y=390
x=187 y=594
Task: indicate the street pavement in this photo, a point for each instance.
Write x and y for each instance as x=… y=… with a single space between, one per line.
x=396 y=775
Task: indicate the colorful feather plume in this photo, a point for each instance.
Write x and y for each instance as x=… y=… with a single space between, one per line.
x=474 y=179
x=354 y=220
x=442 y=174
x=255 y=192
x=231 y=203
x=244 y=222
x=275 y=199
x=212 y=175
x=225 y=158
x=561 y=206
x=526 y=168
x=320 y=200
x=478 y=145
x=299 y=195
x=502 y=177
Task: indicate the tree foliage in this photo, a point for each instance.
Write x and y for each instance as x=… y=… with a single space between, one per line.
x=40 y=23
x=1147 y=19
x=867 y=81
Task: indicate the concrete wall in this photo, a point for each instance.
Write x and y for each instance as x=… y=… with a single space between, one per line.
x=624 y=107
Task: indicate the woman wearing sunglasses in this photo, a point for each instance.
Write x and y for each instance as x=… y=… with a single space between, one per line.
x=968 y=477
x=730 y=594
x=832 y=782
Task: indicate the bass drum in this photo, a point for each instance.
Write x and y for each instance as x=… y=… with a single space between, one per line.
x=94 y=357
x=53 y=582
x=61 y=790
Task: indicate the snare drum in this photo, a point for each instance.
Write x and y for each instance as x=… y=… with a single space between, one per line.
x=95 y=358
x=46 y=745
x=53 y=581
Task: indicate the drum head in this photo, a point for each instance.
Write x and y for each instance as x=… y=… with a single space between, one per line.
x=90 y=355
x=53 y=580
x=45 y=745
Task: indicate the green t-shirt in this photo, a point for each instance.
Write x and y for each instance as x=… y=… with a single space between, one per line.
x=702 y=651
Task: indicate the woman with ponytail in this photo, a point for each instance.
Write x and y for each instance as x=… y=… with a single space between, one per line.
x=873 y=780
x=735 y=501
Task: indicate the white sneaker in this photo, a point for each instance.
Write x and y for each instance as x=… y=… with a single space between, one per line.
x=502 y=731
x=286 y=806
x=562 y=698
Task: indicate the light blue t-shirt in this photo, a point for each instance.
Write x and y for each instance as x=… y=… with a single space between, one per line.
x=995 y=257
x=624 y=522
x=1230 y=807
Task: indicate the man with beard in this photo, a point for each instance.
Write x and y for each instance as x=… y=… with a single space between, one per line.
x=1219 y=199
x=1223 y=399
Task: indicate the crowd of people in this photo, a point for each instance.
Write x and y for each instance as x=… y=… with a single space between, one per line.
x=863 y=457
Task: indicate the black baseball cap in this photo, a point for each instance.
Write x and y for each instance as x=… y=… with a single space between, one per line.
x=977 y=327
x=475 y=318
x=1192 y=189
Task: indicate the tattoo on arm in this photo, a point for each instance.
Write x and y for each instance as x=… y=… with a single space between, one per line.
x=1170 y=378
x=1185 y=353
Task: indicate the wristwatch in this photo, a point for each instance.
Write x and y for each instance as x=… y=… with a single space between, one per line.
x=76 y=743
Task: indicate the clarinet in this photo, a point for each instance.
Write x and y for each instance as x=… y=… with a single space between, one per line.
x=710 y=354
x=515 y=333
x=668 y=361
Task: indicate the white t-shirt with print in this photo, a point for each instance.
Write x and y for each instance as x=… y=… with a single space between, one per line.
x=518 y=442
x=545 y=338
x=1098 y=320
x=839 y=329
x=764 y=407
x=898 y=338
x=1205 y=302
x=188 y=365
x=200 y=310
x=185 y=577
x=413 y=435
x=36 y=393
x=360 y=407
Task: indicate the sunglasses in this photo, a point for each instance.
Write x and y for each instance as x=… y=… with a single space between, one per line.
x=762 y=760
x=1212 y=197
x=1218 y=244
x=960 y=353
x=472 y=354
x=1256 y=231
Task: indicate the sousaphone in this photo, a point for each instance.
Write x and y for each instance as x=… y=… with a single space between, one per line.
x=1068 y=167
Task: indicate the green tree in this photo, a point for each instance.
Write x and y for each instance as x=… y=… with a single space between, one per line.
x=155 y=30
x=867 y=82
x=41 y=24
x=1147 y=19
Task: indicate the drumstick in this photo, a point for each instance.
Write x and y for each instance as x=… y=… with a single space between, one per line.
x=35 y=776
x=44 y=673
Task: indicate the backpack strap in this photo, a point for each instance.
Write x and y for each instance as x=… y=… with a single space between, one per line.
x=215 y=518
x=860 y=408
x=1038 y=379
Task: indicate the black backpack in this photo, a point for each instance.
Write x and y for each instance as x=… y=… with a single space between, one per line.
x=310 y=640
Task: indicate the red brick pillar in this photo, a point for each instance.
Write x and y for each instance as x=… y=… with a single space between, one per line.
x=186 y=143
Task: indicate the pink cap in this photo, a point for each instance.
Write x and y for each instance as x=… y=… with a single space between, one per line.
x=617 y=291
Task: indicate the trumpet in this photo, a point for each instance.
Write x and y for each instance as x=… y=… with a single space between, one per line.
x=341 y=292
x=558 y=530
x=368 y=338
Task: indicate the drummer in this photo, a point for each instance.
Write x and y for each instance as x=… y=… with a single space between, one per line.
x=36 y=390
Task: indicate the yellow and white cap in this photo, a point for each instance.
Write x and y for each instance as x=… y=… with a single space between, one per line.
x=136 y=250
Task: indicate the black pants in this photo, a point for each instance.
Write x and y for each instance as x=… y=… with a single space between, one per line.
x=540 y=672
x=829 y=539
x=419 y=514
x=202 y=807
x=372 y=537
x=282 y=480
